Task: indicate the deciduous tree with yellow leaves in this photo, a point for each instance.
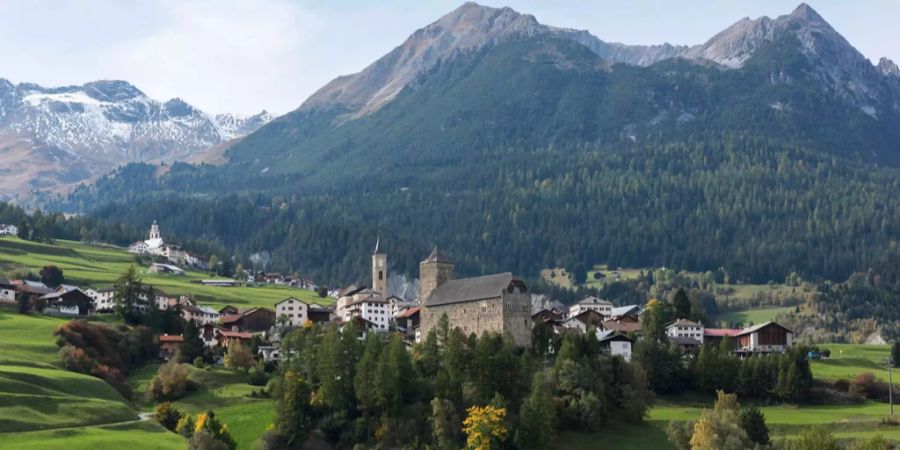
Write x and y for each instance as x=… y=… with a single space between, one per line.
x=485 y=428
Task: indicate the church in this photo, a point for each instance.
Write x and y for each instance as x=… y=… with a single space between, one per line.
x=497 y=303
x=154 y=245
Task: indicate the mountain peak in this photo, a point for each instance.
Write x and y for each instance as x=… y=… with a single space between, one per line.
x=806 y=12
x=111 y=90
x=888 y=67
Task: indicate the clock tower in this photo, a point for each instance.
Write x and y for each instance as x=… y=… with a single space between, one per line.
x=379 y=271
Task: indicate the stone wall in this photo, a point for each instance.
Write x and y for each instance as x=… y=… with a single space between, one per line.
x=510 y=313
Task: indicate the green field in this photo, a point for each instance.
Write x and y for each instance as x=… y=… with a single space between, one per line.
x=618 y=437
x=849 y=360
x=133 y=436
x=223 y=391
x=752 y=316
x=93 y=266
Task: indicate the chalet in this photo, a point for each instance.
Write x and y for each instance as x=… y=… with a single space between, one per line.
x=102 y=299
x=624 y=325
x=69 y=301
x=320 y=314
x=768 y=337
x=295 y=312
x=615 y=343
x=622 y=312
x=169 y=345
x=7 y=291
x=591 y=303
x=253 y=320
x=546 y=315
x=33 y=289
x=209 y=335
x=228 y=309
x=227 y=337
x=682 y=328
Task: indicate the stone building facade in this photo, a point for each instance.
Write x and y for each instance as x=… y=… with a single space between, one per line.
x=497 y=303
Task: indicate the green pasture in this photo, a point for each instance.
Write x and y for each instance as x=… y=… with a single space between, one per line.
x=95 y=266
x=849 y=360
x=752 y=316
x=145 y=435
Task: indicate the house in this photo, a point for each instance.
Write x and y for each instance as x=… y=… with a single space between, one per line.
x=228 y=309
x=615 y=343
x=33 y=289
x=546 y=315
x=8 y=230
x=270 y=353
x=408 y=322
x=69 y=301
x=221 y=282
x=498 y=303
x=103 y=299
x=166 y=268
x=591 y=303
x=202 y=315
x=320 y=314
x=294 y=311
x=209 y=335
x=584 y=319
x=682 y=328
x=626 y=326
x=169 y=345
x=371 y=307
x=767 y=337
x=253 y=320
x=397 y=305
x=7 y=291
x=227 y=337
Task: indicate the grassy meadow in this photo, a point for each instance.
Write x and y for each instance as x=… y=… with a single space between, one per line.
x=849 y=360
x=133 y=435
x=752 y=316
x=96 y=266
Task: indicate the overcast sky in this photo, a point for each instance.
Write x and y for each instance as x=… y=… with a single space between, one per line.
x=244 y=56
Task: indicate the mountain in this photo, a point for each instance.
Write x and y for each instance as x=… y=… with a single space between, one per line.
x=521 y=146
x=53 y=136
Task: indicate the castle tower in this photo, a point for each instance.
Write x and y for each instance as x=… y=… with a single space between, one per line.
x=154 y=231
x=434 y=271
x=379 y=271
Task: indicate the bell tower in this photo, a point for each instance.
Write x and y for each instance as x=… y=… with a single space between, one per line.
x=379 y=270
x=434 y=271
x=154 y=231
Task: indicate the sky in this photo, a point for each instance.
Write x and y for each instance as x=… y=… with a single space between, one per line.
x=244 y=56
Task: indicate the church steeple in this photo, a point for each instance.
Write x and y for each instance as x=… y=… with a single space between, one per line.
x=379 y=270
x=154 y=231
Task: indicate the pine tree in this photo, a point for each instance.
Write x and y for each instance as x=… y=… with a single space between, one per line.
x=682 y=304
x=537 y=419
x=192 y=345
x=754 y=424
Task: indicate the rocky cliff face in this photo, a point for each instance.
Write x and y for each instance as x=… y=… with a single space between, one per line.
x=68 y=134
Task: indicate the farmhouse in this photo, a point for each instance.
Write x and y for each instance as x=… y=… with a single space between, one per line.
x=253 y=320
x=294 y=311
x=497 y=303
x=169 y=345
x=581 y=321
x=408 y=322
x=68 y=300
x=767 y=337
x=102 y=299
x=201 y=314
x=8 y=230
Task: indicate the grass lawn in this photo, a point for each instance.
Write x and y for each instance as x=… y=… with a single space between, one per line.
x=849 y=360
x=752 y=316
x=133 y=436
x=96 y=266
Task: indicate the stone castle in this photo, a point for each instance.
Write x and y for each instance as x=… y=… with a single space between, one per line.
x=492 y=303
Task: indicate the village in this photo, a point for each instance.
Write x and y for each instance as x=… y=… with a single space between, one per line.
x=499 y=303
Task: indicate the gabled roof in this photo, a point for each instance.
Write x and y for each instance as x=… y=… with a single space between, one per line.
x=684 y=323
x=589 y=317
x=289 y=299
x=624 y=327
x=409 y=312
x=591 y=300
x=720 y=332
x=471 y=289
x=624 y=310
x=170 y=338
x=611 y=335
x=756 y=328
x=437 y=256
x=5 y=283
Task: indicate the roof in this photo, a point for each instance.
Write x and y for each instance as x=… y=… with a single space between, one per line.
x=409 y=312
x=235 y=334
x=720 y=332
x=5 y=282
x=170 y=338
x=350 y=290
x=624 y=327
x=287 y=299
x=684 y=323
x=623 y=310
x=756 y=328
x=470 y=289
x=229 y=318
x=589 y=316
x=437 y=256
x=611 y=335
x=593 y=301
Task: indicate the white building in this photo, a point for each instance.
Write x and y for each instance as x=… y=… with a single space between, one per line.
x=296 y=311
x=8 y=230
x=202 y=315
x=154 y=246
x=615 y=344
x=685 y=329
x=371 y=308
x=591 y=304
x=7 y=291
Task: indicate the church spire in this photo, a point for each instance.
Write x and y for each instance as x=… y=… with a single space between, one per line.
x=378 y=245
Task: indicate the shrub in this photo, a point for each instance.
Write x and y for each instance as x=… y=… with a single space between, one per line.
x=167 y=416
x=171 y=382
x=257 y=375
x=199 y=363
x=238 y=357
